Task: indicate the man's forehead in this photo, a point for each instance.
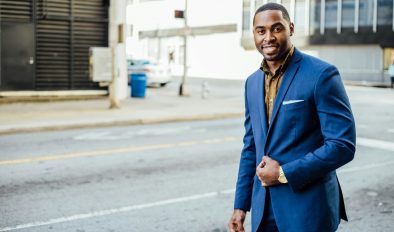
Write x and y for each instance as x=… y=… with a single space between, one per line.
x=270 y=14
x=269 y=17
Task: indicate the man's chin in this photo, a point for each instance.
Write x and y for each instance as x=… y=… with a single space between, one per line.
x=272 y=57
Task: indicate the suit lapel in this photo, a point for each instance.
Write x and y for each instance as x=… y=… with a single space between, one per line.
x=284 y=86
x=261 y=93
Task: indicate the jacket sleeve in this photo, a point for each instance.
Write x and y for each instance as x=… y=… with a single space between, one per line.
x=247 y=165
x=338 y=130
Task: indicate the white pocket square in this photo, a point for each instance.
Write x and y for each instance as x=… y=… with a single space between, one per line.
x=291 y=102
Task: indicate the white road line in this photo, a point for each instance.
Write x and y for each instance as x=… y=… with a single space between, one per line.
x=368 y=166
x=117 y=210
x=116 y=135
x=373 y=143
x=360 y=141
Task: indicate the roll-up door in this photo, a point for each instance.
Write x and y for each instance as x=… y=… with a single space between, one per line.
x=56 y=36
x=65 y=31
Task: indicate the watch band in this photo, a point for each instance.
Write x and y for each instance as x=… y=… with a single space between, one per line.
x=282 y=178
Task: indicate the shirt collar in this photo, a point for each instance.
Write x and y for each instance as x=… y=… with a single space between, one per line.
x=264 y=66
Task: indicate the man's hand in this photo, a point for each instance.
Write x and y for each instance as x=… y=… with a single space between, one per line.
x=268 y=172
x=236 y=223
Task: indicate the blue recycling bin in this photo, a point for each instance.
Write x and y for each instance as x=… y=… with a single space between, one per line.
x=138 y=84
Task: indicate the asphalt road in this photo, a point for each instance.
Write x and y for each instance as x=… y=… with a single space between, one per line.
x=168 y=177
x=172 y=177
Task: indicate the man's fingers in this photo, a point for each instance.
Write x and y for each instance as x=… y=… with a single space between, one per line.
x=232 y=226
x=267 y=159
x=240 y=227
x=236 y=226
x=260 y=173
x=237 y=220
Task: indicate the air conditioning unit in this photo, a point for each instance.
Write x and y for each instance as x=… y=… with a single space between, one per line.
x=100 y=64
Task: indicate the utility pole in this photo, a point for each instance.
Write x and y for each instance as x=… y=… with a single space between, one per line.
x=113 y=41
x=182 y=88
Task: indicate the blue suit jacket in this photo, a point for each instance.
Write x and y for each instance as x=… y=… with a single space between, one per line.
x=311 y=134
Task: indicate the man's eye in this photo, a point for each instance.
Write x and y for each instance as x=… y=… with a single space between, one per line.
x=277 y=29
x=261 y=32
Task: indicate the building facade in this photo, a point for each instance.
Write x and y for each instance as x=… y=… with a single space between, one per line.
x=44 y=44
x=355 y=35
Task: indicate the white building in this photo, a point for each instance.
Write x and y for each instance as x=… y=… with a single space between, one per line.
x=355 y=35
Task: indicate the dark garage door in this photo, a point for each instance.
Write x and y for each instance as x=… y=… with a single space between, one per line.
x=17 y=56
x=52 y=47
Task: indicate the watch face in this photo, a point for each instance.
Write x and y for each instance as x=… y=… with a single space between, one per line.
x=281 y=178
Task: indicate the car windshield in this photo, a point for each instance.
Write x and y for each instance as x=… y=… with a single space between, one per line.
x=139 y=62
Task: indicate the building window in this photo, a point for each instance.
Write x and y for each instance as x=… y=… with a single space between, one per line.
x=331 y=14
x=385 y=12
x=246 y=18
x=299 y=17
x=315 y=15
x=366 y=13
x=348 y=12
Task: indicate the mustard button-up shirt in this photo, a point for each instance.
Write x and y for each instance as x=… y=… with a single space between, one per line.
x=272 y=82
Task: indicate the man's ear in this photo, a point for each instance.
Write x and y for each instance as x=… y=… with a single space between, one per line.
x=291 y=27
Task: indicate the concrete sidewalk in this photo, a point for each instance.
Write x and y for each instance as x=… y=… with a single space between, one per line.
x=225 y=99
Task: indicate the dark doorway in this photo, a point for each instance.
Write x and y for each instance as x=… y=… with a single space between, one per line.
x=17 y=56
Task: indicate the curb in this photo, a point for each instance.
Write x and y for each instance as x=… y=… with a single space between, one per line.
x=120 y=123
x=7 y=97
x=366 y=84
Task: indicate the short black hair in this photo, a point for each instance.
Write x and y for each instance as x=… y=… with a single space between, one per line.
x=273 y=6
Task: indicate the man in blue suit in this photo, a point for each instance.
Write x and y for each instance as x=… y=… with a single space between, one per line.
x=299 y=129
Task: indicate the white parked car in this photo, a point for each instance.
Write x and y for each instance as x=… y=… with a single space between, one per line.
x=157 y=73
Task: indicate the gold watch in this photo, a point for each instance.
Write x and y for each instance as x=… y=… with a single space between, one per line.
x=282 y=178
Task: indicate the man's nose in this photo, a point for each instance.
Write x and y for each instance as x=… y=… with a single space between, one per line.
x=269 y=36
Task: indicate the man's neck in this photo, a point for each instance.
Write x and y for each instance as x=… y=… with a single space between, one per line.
x=273 y=65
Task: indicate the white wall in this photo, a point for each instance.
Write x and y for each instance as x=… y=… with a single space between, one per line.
x=160 y=14
x=356 y=62
x=221 y=56
x=211 y=56
x=214 y=12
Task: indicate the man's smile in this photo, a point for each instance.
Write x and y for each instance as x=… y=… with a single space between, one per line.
x=270 y=48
